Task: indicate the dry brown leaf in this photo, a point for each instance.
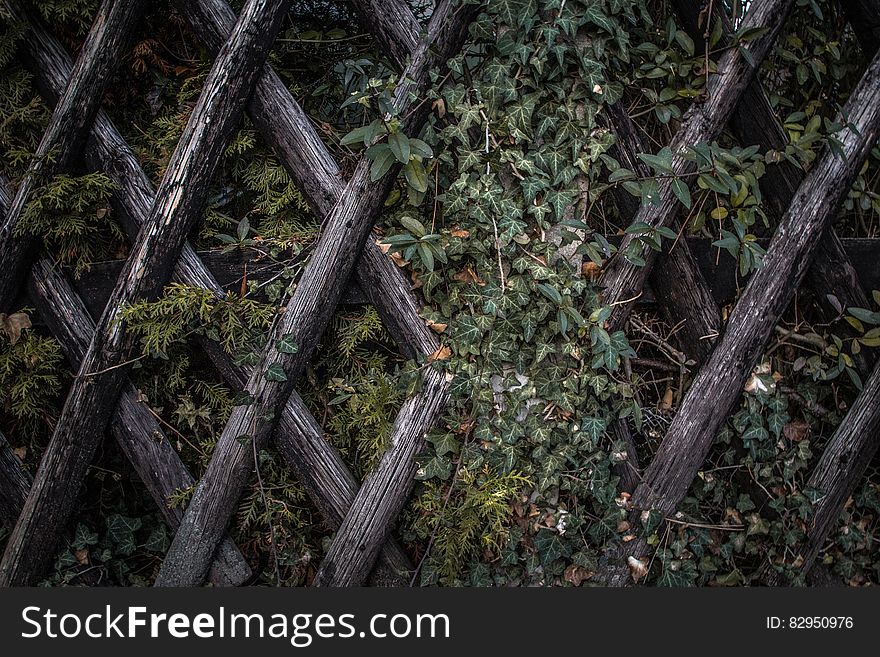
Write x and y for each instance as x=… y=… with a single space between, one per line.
x=796 y=430
x=439 y=106
x=20 y=452
x=383 y=247
x=12 y=325
x=443 y=353
x=437 y=327
x=637 y=568
x=460 y=232
x=576 y=575
x=399 y=260
x=82 y=556
x=666 y=402
x=468 y=276
x=591 y=270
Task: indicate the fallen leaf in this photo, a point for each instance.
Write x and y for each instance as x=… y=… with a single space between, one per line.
x=437 y=327
x=12 y=325
x=468 y=275
x=637 y=568
x=383 y=247
x=666 y=402
x=796 y=430
x=460 y=232
x=439 y=106
x=591 y=270
x=399 y=260
x=20 y=452
x=82 y=556
x=443 y=353
x=576 y=575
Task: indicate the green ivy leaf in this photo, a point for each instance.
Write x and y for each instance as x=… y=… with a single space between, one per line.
x=287 y=345
x=275 y=373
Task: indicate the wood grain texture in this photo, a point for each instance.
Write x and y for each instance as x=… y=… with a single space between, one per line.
x=179 y=200
x=15 y=482
x=676 y=280
x=136 y=431
x=623 y=281
x=840 y=468
x=393 y=25
x=718 y=385
x=286 y=128
x=299 y=438
x=101 y=52
x=306 y=315
x=754 y=122
x=385 y=490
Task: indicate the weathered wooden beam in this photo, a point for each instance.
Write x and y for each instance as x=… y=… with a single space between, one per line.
x=179 y=201
x=306 y=315
x=624 y=281
x=316 y=464
x=839 y=470
x=15 y=482
x=676 y=279
x=286 y=128
x=101 y=53
x=718 y=385
x=718 y=268
x=136 y=431
x=754 y=122
x=393 y=25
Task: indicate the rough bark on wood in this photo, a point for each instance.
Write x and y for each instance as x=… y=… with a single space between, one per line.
x=623 y=281
x=299 y=438
x=719 y=383
x=304 y=319
x=754 y=122
x=285 y=127
x=60 y=144
x=679 y=285
x=384 y=491
x=839 y=470
x=179 y=201
x=135 y=429
x=227 y=269
x=15 y=482
x=393 y=25
x=137 y=432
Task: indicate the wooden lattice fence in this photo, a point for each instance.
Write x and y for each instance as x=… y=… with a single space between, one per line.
x=804 y=249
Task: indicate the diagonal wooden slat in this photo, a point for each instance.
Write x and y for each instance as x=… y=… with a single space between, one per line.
x=300 y=440
x=679 y=286
x=15 y=482
x=841 y=466
x=316 y=464
x=719 y=383
x=136 y=431
x=754 y=122
x=178 y=202
x=286 y=128
x=624 y=281
x=101 y=53
x=305 y=316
